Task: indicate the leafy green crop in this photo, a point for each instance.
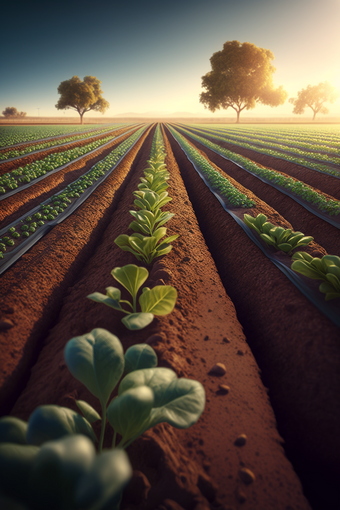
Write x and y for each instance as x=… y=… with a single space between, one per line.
x=282 y=239
x=157 y=301
x=146 y=248
x=49 y=463
x=327 y=268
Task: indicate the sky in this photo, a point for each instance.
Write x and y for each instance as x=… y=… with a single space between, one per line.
x=150 y=56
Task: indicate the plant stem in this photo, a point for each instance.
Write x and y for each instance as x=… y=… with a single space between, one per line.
x=101 y=440
x=114 y=439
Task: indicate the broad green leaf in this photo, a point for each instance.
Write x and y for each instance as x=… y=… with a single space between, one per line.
x=266 y=227
x=90 y=414
x=181 y=404
x=284 y=247
x=267 y=239
x=128 y=412
x=158 y=379
x=307 y=270
x=13 y=430
x=113 y=293
x=140 y=356
x=105 y=300
x=135 y=321
x=97 y=360
x=52 y=422
x=140 y=227
x=333 y=270
x=333 y=280
x=260 y=220
x=101 y=487
x=131 y=277
x=16 y=461
x=160 y=300
x=57 y=468
x=302 y=255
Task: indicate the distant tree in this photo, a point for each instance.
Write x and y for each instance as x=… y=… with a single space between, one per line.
x=10 y=111
x=81 y=96
x=241 y=77
x=314 y=97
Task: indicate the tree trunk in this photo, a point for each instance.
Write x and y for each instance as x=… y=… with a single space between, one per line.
x=314 y=112
x=238 y=117
x=81 y=118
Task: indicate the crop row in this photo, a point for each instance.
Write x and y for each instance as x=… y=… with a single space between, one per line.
x=294 y=138
x=307 y=161
x=223 y=186
x=293 y=187
x=32 y=171
x=324 y=134
x=16 y=153
x=54 y=451
x=13 y=135
x=326 y=269
x=63 y=203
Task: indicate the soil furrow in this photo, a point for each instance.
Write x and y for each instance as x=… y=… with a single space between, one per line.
x=21 y=203
x=325 y=183
x=198 y=468
x=300 y=218
x=32 y=290
x=296 y=346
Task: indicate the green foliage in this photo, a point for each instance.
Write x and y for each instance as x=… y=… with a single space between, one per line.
x=327 y=269
x=81 y=96
x=314 y=97
x=146 y=248
x=240 y=77
x=157 y=301
x=10 y=112
x=63 y=470
x=282 y=239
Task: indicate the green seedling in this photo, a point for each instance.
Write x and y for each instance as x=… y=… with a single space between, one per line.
x=146 y=248
x=154 y=181
x=327 y=268
x=150 y=200
x=282 y=239
x=157 y=301
x=146 y=221
x=48 y=463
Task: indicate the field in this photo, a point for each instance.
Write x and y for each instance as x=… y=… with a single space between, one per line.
x=268 y=437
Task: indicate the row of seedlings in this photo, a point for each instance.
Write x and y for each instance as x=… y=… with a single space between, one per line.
x=18 y=152
x=297 y=190
x=20 y=235
x=326 y=269
x=54 y=451
x=37 y=170
x=307 y=161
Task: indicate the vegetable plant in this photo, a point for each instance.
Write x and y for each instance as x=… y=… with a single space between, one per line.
x=282 y=239
x=48 y=462
x=327 y=269
x=146 y=248
x=159 y=300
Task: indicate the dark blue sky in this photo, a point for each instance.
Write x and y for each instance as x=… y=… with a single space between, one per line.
x=150 y=56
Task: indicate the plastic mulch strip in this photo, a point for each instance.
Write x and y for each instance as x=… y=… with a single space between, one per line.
x=335 y=222
x=11 y=257
x=25 y=186
x=307 y=286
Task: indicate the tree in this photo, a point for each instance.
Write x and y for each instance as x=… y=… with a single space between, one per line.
x=314 y=97
x=241 y=77
x=10 y=112
x=81 y=96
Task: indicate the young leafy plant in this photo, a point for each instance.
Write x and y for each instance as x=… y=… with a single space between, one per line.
x=150 y=200
x=146 y=248
x=157 y=301
x=327 y=268
x=282 y=239
x=146 y=221
x=48 y=463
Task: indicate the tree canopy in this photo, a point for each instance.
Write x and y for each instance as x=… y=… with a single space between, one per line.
x=241 y=77
x=81 y=96
x=10 y=111
x=314 y=97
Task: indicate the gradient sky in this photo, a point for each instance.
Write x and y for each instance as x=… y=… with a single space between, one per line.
x=150 y=55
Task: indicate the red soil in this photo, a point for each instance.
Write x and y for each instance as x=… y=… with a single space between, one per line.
x=44 y=297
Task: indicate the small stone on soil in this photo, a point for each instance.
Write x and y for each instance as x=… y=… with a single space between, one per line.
x=225 y=339
x=224 y=388
x=246 y=476
x=5 y=324
x=241 y=440
x=218 y=369
x=153 y=339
